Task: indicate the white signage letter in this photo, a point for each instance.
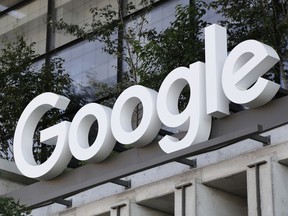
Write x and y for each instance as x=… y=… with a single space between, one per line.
x=122 y=115
x=193 y=119
x=241 y=78
x=79 y=130
x=215 y=56
x=23 y=138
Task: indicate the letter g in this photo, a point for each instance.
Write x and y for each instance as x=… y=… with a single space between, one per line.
x=23 y=138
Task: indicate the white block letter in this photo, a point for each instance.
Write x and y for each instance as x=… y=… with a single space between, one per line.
x=241 y=79
x=23 y=138
x=193 y=119
x=215 y=56
x=79 y=130
x=122 y=115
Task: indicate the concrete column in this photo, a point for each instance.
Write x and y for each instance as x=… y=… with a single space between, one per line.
x=211 y=201
x=259 y=189
x=202 y=200
x=185 y=199
x=280 y=188
x=267 y=189
x=133 y=209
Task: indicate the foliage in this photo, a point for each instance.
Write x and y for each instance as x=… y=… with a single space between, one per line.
x=123 y=39
x=179 y=45
x=266 y=21
x=103 y=93
x=20 y=82
x=148 y=55
x=8 y=207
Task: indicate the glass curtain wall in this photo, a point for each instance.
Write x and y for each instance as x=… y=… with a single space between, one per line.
x=83 y=59
x=26 y=19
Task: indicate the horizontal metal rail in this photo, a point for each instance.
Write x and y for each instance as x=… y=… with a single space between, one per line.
x=225 y=131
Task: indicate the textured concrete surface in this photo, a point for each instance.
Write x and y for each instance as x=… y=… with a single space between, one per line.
x=224 y=183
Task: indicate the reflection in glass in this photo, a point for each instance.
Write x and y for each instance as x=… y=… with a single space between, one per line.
x=28 y=20
x=86 y=60
x=77 y=12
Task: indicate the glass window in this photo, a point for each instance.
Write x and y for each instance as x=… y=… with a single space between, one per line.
x=5 y=4
x=161 y=17
x=28 y=20
x=87 y=60
x=76 y=12
x=139 y=4
x=38 y=64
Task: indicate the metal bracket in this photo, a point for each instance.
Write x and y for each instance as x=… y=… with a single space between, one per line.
x=163 y=132
x=67 y=203
x=266 y=140
x=282 y=92
x=235 y=107
x=124 y=183
x=190 y=162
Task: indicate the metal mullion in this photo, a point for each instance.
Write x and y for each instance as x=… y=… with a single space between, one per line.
x=49 y=30
x=120 y=44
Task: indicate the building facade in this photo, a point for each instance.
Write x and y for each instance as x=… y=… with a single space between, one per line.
x=240 y=170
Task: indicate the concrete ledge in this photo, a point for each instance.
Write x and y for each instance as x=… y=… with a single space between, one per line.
x=9 y=171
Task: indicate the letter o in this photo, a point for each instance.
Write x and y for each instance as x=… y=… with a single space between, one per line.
x=122 y=114
x=79 y=130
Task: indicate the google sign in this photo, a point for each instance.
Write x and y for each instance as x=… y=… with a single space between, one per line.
x=222 y=78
